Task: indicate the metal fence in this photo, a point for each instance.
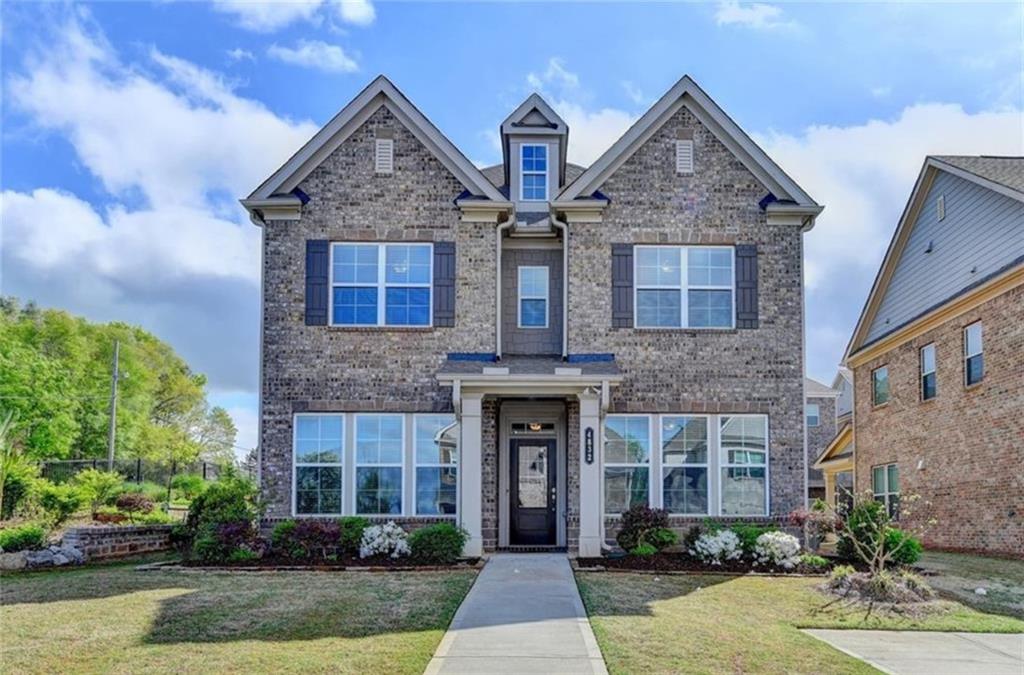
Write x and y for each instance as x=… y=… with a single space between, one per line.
x=134 y=470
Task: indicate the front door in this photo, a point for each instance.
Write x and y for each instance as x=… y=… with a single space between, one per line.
x=532 y=491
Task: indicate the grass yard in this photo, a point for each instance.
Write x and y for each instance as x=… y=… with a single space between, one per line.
x=113 y=619
x=958 y=575
x=705 y=624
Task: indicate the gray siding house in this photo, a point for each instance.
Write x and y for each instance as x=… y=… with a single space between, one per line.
x=531 y=348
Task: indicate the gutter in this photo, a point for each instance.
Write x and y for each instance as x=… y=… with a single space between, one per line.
x=497 y=288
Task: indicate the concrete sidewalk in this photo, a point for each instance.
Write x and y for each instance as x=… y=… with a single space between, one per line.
x=931 y=653
x=523 y=615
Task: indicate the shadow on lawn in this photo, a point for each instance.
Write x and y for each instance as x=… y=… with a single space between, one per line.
x=606 y=599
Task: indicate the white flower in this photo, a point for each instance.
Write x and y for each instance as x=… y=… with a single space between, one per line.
x=714 y=549
x=387 y=539
x=777 y=549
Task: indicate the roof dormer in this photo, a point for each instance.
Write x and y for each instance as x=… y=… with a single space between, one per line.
x=534 y=140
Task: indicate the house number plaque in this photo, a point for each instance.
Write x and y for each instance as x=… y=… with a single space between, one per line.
x=588 y=445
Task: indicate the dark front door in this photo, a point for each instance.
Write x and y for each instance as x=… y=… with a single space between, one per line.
x=533 y=490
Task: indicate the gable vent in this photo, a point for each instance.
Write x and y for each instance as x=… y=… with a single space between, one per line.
x=385 y=155
x=684 y=156
x=940 y=207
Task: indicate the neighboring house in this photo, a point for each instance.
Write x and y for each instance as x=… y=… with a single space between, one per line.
x=820 y=411
x=834 y=461
x=938 y=357
x=843 y=383
x=531 y=348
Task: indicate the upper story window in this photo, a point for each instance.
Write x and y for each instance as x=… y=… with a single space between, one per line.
x=974 y=357
x=880 y=385
x=534 y=173
x=533 y=297
x=928 y=383
x=684 y=287
x=381 y=284
x=813 y=413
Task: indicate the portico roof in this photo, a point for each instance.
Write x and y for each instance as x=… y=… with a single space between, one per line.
x=531 y=374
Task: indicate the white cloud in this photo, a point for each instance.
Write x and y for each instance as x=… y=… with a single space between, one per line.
x=633 y=93
x=863 y=174
x=315 y=54
x=239 y=54
x=757 y=15
x=880 y=92
x=359 y=12
x=554 y=75
x=267 y=17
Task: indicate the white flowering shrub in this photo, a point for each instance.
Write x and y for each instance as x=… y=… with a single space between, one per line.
x=717 y=548
x=387 y=539
x=777 y=549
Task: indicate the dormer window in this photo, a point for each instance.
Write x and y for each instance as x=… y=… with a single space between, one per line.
x=534 y=164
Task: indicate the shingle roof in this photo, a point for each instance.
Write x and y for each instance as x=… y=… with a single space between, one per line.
x=814 y=388
x=1008 y=171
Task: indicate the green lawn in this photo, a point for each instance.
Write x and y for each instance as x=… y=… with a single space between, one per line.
x=958 y=575
x=114 y=619
x=702 y=624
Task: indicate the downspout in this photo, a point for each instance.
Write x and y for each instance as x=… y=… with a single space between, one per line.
x=497 y=287
x=564 y=227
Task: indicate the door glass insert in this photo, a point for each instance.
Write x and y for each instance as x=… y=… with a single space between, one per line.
x=533 y=476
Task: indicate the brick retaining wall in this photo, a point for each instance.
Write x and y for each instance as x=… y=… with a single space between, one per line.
x=115 y=542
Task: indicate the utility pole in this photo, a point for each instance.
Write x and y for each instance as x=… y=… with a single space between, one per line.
x=112 y=432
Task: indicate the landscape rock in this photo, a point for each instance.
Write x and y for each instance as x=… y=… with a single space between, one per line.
x=42 y=558
x=13 y=561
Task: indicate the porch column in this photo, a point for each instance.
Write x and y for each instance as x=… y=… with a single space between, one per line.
x=470 y=470
x=591 y=511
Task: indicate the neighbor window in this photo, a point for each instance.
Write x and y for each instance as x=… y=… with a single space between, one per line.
x=379 y=441
x=744 y=461
x=974 y=358
x=684 y=286
x=928 y=382
x=533 y=297
x=813 y=413
x=627 y=459
x=684 y=464
x=880 y=385
x=381 y=284
x=885 y=484
x=318 y=451
x=534 y=173
x=437 y=443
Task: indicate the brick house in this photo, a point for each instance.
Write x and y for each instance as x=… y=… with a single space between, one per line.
x=938 y=358
x=530 y=348
x=821 y=413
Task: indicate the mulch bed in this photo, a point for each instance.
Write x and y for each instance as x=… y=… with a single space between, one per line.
x=681 y=563
x=280 y=563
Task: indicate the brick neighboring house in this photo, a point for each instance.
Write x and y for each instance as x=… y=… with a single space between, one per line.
x=820 y=410
x=530 y=348
x=938 y=357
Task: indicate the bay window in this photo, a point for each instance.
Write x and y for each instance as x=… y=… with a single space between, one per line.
x=318 y=452
x=436 y=450
x=684 y=287
x=379 y=454
x=627 y=458
x=381 y=284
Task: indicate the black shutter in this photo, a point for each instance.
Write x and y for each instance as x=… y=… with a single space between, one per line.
x=746 y=286
x=317 y=262
x=622 y=285
x=444 y=283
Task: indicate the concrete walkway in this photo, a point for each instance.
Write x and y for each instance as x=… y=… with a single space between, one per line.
x=523 y=615
x=931 y=653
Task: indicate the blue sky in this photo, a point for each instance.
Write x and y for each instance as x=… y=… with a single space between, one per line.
x=130 y=129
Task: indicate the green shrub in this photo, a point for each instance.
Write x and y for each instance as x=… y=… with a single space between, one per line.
x=639 y=524
x=643 y=549
x=221 y=519
x=865 y=520
x=748 y=534
x=154 y=517
x=306 y=538
x=907 y=549
x=840 y=572
x=19 y=476
x=660 y=538
x=153 y=491
x=99 y=488
x=691 y=537
x=60 y=502
x=352 y=533
x=22 y=538
x=815 y=561
x=134 y=504
x=439 y=544
x=188 y=485
x=242 y=555
x=282 y=539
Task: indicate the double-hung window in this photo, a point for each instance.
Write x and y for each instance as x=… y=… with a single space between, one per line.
x=380 y=443
x=533 y=297
x=627 y=462
x=744 y=459
x=684 y=464
x=928 y=382
x=318 y=452
x=437 y=457
x=684 y=287
x=974 y=357
x=381 y=284
x=885 y=485
x=534 y=172
x=813 y=413
x=880 y=385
